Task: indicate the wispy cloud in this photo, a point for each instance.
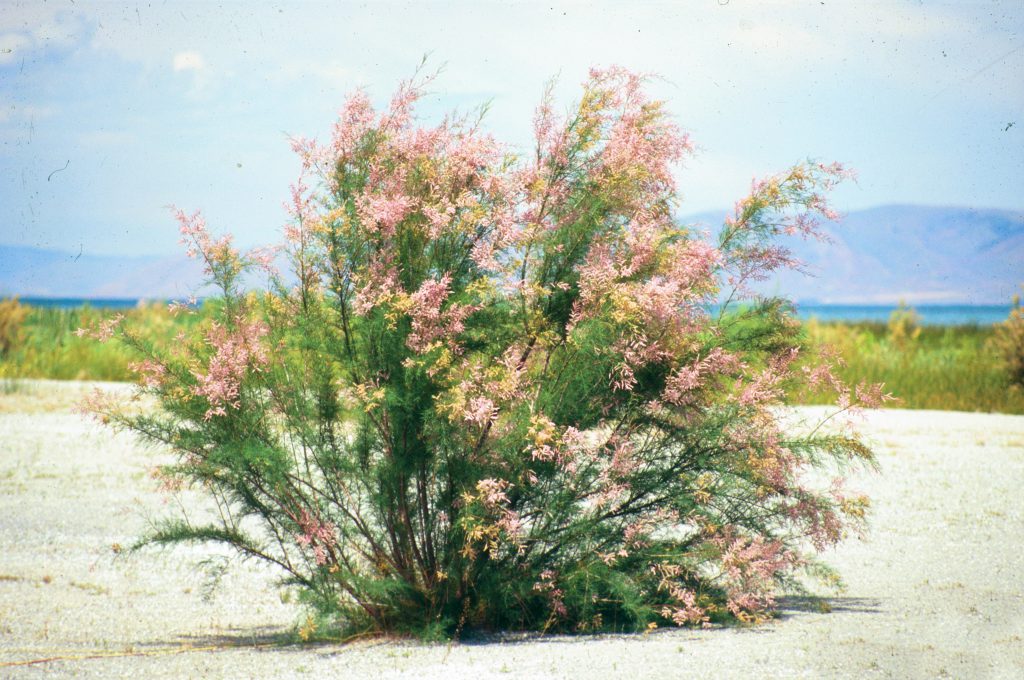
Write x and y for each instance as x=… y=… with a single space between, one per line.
x=189 y=61
x=114 y=139
x=24 y=112
x=331 y=73
x=193 y=63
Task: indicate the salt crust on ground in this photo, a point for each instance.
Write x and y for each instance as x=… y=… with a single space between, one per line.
x=936 y=590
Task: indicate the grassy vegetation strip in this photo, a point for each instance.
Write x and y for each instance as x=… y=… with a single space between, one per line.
x=950 y=368
x=955 y=368
x=41 y=342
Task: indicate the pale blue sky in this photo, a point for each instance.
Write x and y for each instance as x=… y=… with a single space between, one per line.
x=148 y=104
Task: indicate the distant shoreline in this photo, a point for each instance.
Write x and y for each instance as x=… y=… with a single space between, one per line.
x=928 y=314
x=98 y=303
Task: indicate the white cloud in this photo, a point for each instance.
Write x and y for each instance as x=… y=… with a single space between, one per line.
x=30 y=111
x=333 y=73
x=24 y=112
x=94 y=139
x=189 y=61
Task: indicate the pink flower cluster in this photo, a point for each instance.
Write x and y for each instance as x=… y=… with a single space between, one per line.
x=492 y=492
x=376 y=283
x=766 y=386
x=640 y=143
x=480 y=410
x=221 y=260
x=151 y=373
x=684 y=609
x=176 y=307
x=301 y=210
x=98 y=404
x=637 y=532
x=354 y=121
x=236 y=350
x=682 y=384
x=548 y=586
x=384 y=212
x=486 y=392
x=635 y=351
x=320 y=535
x=195 y=236
x=105 y=330
x=824 y=527
x=750 y=567
x=567 y=451
x=431 y=320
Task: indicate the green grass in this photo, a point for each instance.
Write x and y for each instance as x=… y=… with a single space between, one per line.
x=40 y=342
x=954 y=368
x=930 y=367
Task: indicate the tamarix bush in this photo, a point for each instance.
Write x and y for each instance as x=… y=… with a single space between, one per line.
x=494 y=395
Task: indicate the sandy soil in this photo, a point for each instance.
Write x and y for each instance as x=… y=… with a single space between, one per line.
x=936 y=590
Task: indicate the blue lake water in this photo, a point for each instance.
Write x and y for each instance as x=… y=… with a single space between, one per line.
x=68 y=303
x=934 y=315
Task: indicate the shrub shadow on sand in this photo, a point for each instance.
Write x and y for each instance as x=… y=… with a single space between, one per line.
x=801 y=604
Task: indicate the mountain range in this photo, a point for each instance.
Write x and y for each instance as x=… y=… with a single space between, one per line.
x=918 y=254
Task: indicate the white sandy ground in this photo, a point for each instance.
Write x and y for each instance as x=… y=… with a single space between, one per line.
x=937 y=590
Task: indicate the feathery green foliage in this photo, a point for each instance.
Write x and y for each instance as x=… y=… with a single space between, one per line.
x=494 y=398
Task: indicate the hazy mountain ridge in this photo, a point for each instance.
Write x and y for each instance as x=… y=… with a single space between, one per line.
x=920 y=254
x=41 y=272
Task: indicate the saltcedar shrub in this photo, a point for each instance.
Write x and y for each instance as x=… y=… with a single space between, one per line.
x=503 y=391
